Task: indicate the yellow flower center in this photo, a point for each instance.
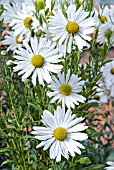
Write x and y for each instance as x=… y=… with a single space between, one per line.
x=17 y=40
x=96 y=96
x=112 y=70
x=80 y=2
x=37 y=61
x=103 y=19
x=66 y=89
x=107 y=33
x=41 y=4
x=72 y=27
x=84 y=76
x=60 y=133
x=27 y=21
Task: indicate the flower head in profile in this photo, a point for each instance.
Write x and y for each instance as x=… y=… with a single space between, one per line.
x=61 y=133
x=111 y=165
x=99 y=95
x=108 y=73
x=40 y=58
x=66 y=89
x=72 y=29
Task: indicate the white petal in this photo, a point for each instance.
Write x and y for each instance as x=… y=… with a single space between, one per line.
x=34 y=76
x=48 y=120
x=53 y=150
x=74 y=122
x=45 y=137
x=77 y=128
x=48 y=143
x=78 y=136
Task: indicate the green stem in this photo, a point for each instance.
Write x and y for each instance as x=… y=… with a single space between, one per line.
x=23 y=156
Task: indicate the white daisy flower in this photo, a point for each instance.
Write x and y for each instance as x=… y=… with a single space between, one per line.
x=39 y=58
x=102 y=15
x=66 y=89
x=99 y=96
x=10 y=11
x=72 y=29
x=105 y=33
x=12 y=41
x=61 y=133
x=22 y=23
x=111 y=165
x=108 y=73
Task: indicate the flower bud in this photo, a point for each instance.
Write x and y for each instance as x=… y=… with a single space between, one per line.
x=38 y=32
x=40 y=4
x=80 y=2
x=3 y=52
x=9 y=62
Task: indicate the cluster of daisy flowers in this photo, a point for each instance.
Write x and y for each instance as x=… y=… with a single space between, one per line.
x=104 y=17
x=41 y=34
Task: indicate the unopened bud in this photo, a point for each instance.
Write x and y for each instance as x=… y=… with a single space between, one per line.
x=3 y=52
x=40 y=4
x=9 y=62
x=80 y=2
x=38 y=32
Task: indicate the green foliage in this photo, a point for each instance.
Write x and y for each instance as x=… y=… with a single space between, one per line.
x=22 y=106
x=84 y=160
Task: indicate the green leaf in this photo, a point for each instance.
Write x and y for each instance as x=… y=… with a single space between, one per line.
x=7 y=162
x=89 y=115
x=84 y=160
x=61 y=166
x=46 y=12
x=35 y=106
x=97 y=166
x=7 y=149
x=40 y=20
x=28 y=137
